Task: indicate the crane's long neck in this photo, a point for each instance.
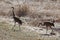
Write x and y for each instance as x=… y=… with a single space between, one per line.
x=13 y=12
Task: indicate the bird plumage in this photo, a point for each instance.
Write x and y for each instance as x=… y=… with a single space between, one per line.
x=16 y=19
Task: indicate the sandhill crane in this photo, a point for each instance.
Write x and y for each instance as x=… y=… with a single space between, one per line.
x=16 y=19
x=48 y=25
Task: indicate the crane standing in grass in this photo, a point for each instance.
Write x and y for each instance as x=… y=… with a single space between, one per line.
x=16 y=19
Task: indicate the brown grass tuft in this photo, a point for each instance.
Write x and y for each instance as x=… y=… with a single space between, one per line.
x=23 y=10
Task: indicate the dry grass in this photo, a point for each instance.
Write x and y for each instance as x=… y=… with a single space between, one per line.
x=26 y=33
x=36 y=11
x=22 y=10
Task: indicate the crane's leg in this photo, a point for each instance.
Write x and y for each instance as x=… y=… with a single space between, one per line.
x=14 y=25
x=19 y=27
